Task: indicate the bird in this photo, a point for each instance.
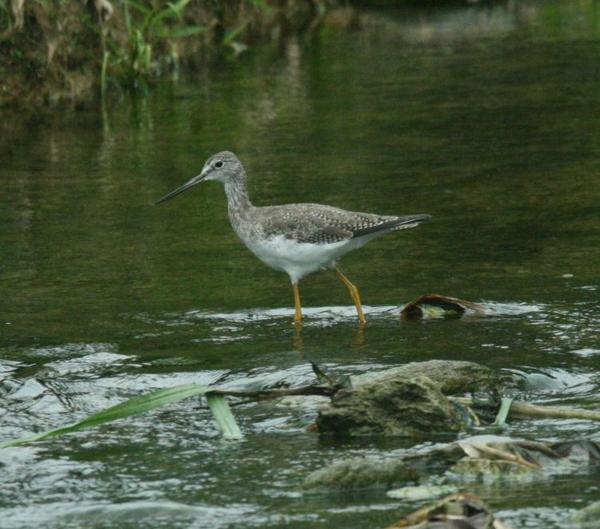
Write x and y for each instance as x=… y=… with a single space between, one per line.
x=298 y=239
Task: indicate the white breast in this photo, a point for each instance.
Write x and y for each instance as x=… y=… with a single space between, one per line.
x=298 y=259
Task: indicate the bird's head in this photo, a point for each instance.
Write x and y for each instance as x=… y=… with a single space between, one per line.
x=223 y=166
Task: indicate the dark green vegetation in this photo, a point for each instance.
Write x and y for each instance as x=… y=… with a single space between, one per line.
x=54 y=49
x=486 y=117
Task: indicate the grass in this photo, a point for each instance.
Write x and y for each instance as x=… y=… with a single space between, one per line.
x=149 y=27
x=141 y=404
x=115 y=44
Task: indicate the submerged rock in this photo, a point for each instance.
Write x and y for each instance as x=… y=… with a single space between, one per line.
x=578 y=451
x=481 y=458
x=407 y=400
x=393 y=405
x=361 y=472
x=588 y=517
x=489 y=469
x=496 y=458
x=420 y=492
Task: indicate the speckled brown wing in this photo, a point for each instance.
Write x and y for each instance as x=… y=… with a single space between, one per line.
x=319 y=224
x=303 y=223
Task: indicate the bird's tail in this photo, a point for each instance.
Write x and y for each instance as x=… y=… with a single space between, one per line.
x=392 y=224
x=409 y=221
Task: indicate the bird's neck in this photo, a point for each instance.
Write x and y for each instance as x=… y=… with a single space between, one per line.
x=238 y=201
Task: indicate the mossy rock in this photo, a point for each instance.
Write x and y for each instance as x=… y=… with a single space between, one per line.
x=489 y=469
x=393 y=406
x=450 y=376
x=589 y=516
x=359 y=473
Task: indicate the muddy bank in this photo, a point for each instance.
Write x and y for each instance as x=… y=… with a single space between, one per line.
x=54 y=51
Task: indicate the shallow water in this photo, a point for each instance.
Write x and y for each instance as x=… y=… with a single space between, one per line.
x=485 y=117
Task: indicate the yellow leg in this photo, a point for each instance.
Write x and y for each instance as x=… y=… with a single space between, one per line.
x=298 y=307
x=297 y=340
x=353 y=294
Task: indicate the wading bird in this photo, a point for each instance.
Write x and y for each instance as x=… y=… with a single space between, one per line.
x=295 y=238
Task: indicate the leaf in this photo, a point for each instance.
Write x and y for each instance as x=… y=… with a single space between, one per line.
x=182 y=32
x=179 y=6
x=172 y=10
x=260 y=4
x=223 y=416
x=231 y=35
x=321 y=374
x=135 y=406
x=505 y=405
x=469 y=448
x=437 y=306
x=140 y=7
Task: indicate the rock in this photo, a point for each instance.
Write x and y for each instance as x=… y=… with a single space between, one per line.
x=489 y=469
x=359 y=473
x=441 y=468
x=393 y=405
x=420 y=492
x=490 y=458
x=589 y=516
x=451 y=377
x=579 y=451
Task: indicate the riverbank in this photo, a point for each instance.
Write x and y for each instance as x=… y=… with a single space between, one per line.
x=53 y=51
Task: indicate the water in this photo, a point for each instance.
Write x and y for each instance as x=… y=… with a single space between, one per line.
x=485 y=117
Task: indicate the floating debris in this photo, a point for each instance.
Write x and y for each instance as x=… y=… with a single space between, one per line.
x=436 y=306
x=464 y=510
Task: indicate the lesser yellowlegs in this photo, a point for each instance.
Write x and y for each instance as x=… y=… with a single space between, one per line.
x=295 y=238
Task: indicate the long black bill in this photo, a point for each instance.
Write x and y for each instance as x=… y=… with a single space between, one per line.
x=187 y=185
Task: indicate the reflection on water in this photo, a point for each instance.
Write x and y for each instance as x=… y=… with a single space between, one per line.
x=483 y=116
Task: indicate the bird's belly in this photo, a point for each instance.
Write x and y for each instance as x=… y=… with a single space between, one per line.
x=297 y=259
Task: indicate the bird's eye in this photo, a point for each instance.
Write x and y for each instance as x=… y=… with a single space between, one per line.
x=219 y=164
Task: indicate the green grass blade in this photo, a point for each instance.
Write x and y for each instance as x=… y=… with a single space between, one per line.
x=139 y=6
x=321 y=374
x=505 y=405
x=177 y=8
x=231 y=35
x=223 y=416
x=105 y=56
x=170 y=11
x=134 y=406
x=186 y=31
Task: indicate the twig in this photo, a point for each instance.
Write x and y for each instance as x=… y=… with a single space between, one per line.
x=266 y=394
x=536 y=446
x=533 y=410
x=506 y=456
x=473 y=415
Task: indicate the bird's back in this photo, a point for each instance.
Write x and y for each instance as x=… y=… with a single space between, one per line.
x=321 y=224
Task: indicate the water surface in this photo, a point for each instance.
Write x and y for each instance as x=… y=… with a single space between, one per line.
x=487 y=118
